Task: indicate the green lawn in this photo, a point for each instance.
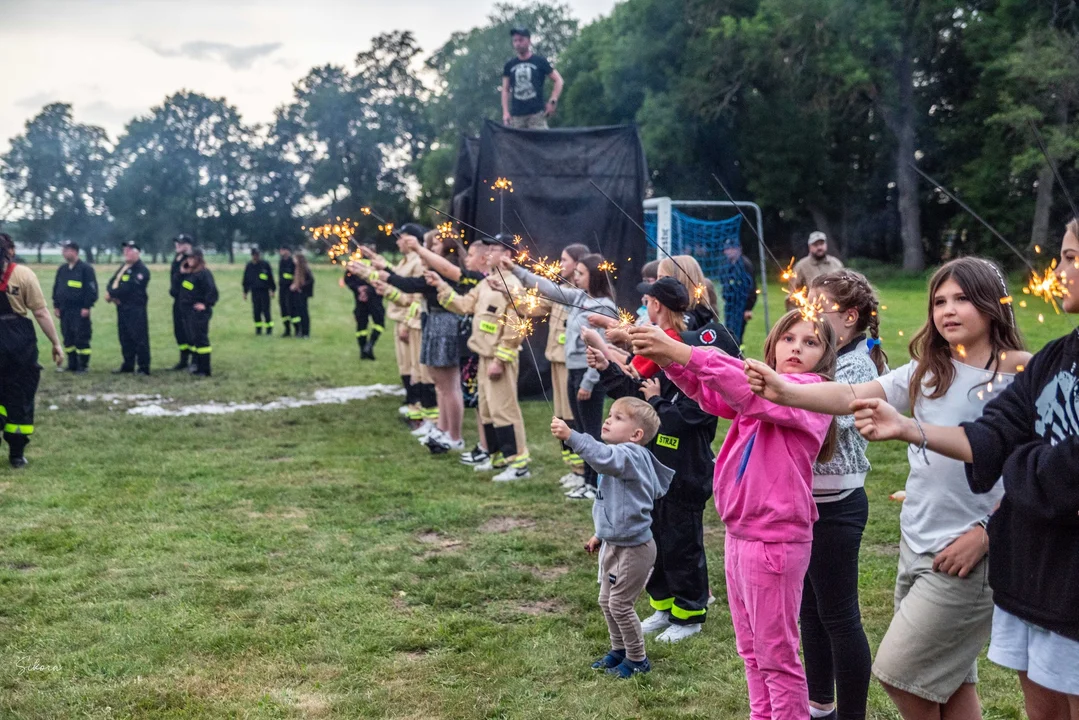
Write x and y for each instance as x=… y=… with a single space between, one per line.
x=316 y=562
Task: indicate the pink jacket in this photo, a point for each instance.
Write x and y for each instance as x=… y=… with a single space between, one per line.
x=763 y=482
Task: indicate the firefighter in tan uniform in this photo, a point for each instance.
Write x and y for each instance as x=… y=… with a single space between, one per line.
x=405 y=309
x=498 y=346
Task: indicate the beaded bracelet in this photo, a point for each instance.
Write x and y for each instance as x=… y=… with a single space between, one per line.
x=925 y=440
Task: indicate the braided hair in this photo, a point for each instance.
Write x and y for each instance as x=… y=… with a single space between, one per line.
x=850 y=290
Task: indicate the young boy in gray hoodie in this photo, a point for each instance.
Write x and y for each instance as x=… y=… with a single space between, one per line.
x=630 y=480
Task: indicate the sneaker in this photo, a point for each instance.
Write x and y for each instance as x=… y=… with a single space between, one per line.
x=584 y=492
x=612 y=659
x=474 y=457
x=433 y=434
x=424 y=428
x=511 y=473
x=487 y=466
x=711 y=599
x=628 y=668
x=571 y=481
x=403 y=411
x=19 y=462
x=443 y=445
x=678 y=632
x=661 y=620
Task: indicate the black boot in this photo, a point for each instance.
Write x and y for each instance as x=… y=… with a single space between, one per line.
x=84 y=362
x=258 y=331
x=369 y=346
x=16 y=446
x=185 y=360
x=72 y=362
x=203 y=365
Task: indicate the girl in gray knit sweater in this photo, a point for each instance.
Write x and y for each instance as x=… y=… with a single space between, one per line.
x=837 y=656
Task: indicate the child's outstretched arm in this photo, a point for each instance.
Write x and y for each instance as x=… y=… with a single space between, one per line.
x=876 y=420
x=829 y=398
x=563 y=293
x=651 y=342
x=613 y=460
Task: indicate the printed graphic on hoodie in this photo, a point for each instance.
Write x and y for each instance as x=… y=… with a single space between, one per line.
x=1056 y=408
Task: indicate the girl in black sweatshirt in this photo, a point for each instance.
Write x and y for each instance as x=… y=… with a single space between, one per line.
x=1029 y=437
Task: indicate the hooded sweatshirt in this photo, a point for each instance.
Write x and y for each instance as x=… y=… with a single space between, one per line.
x=763 y=482
x=577 y=318
x=630 y=481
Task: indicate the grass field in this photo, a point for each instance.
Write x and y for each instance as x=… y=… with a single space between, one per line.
x=316 y=562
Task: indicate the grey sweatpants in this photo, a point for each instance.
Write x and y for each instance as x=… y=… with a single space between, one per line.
x=623 y=571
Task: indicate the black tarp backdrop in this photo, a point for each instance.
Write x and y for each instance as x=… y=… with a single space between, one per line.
x=551 y=172
x=464 y=177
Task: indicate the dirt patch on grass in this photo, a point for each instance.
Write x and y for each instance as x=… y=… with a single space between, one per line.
x=309 y=705
x=537 y=608
x=21 y=566
x=438 y=543
x=888 y=550
x=507 y=524
x=548 y=574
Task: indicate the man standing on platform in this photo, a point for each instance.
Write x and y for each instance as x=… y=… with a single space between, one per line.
x=817 y=262
x=73 y=294
x=286 y=269
x=522 y=85
x=127 y=291
x=258 y=280
x=183 y=245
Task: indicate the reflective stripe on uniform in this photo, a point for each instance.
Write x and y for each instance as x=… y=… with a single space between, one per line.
x=505 y=354
x=362 y=333
x=378 y=328
x=488 y=327
x=392 y=295
x=203 y=350
x=682 y=614
x=13 y=429
x=287 y=276
x=69 y=349
x=84 y=351
x=412 y=310
x=184 y=348
x=188 y=285
x=661 y=605
x=448 y=300
x=74 y=284
x=521 y=461
x=263 y=276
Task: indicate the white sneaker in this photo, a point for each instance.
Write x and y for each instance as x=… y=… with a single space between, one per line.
x=443 y=445
x=571 y=481
x=425 y=428
x=711 y=599
x=434 y=434
x=485 y=466
x=678 y=632
x=661 y=620
x=584 y=492
x=511 y=473
x=403 y=411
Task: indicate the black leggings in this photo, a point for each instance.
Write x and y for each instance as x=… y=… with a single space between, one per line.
x=837 y=658
x=587 y=415
x=301 y=321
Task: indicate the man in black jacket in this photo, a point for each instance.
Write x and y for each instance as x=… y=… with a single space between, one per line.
x=258 y=280
x=73 y=294
x=183 y=244
x=286 y=267
x=678 y=587
x=127 y=291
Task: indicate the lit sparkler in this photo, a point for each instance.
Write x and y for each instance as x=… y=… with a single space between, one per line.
x=606 y=266
x=339 y=237
x=1047 y=286
x=811 y=310
x=502 y=184
x=626 y=319
x=787 y=273
x=522 y=326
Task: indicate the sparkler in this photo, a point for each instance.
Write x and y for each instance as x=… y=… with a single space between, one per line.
x=1046 y=286
x=626 y=319
x=501 y=186
x=385 y=225
x=343 y=231
x=522 y=324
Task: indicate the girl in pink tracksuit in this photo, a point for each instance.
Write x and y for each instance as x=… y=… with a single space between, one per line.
x=764 y=494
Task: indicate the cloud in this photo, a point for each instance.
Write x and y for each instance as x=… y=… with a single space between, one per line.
x=37 y=100
x=236 y=57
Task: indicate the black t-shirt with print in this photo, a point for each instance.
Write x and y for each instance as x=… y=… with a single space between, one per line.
x=526 y=83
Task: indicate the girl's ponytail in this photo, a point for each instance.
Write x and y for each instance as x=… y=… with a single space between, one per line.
x=876 y=350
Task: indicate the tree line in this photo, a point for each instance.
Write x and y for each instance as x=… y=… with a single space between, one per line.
x=816 y=109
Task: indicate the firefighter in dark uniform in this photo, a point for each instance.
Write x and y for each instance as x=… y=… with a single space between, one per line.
x=258 y=280
x=369 y=313
x=183 y=244
x=20 y=294
x=127 y=291
x=73 y=294
x=198 y=295
x=286 y=270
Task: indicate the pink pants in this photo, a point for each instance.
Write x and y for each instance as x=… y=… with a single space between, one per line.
x=764 y=590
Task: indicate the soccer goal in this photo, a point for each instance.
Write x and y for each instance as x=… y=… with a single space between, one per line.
x=673 y=227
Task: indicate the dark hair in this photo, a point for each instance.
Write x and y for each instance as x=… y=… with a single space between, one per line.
x=7 y=251
x=825 y=367
x=984 y=284
x=302 y=270
x=650 y=270
x=599 y=286
x=453 y=250
x=850 y=290
x=576 y=251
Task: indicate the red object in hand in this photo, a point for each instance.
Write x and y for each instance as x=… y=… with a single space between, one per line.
x=645 y=367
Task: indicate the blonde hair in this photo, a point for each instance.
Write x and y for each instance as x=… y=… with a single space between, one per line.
x=643 y=414
x=684 y=269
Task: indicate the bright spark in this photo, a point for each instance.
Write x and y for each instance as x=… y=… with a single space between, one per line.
x=1047 y=286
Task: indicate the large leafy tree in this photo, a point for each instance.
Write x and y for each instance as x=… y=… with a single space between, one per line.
x=55 y=175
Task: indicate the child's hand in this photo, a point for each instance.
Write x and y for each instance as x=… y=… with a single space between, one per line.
x=495 y=369
x=651 y=342
x=592 y=545
x=412 y=244
x=560 y=429
x=507 y=263
x=402 y=332
x=596 y=359
x=965 y=552
x=877 y=420
x=650 y=388
x=602 y=321
x=592 y=338
x=496 y=284
x=764 y=381
x=619 y=336
x=433 y=279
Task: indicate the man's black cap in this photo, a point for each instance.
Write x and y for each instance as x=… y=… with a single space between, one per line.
x=669 y=292
x=255 y=250
x=520 y=30
x=183 y=238
x=132 y=244
x=500 y=240
x=70 y=244
x=414 y=229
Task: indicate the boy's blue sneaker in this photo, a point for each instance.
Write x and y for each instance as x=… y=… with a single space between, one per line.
x=628 y=668
x=612 y=659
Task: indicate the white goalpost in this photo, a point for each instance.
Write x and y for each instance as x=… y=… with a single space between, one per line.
x=662 y=208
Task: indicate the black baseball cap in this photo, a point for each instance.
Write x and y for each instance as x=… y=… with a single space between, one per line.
x=183 y=238
x=520 y=30
x=70 y=244
x=669 y=292
x=255 y=250
x=501 y=239
x=131 y=244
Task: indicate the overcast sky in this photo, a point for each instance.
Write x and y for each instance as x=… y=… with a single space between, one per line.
x=114 y=59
